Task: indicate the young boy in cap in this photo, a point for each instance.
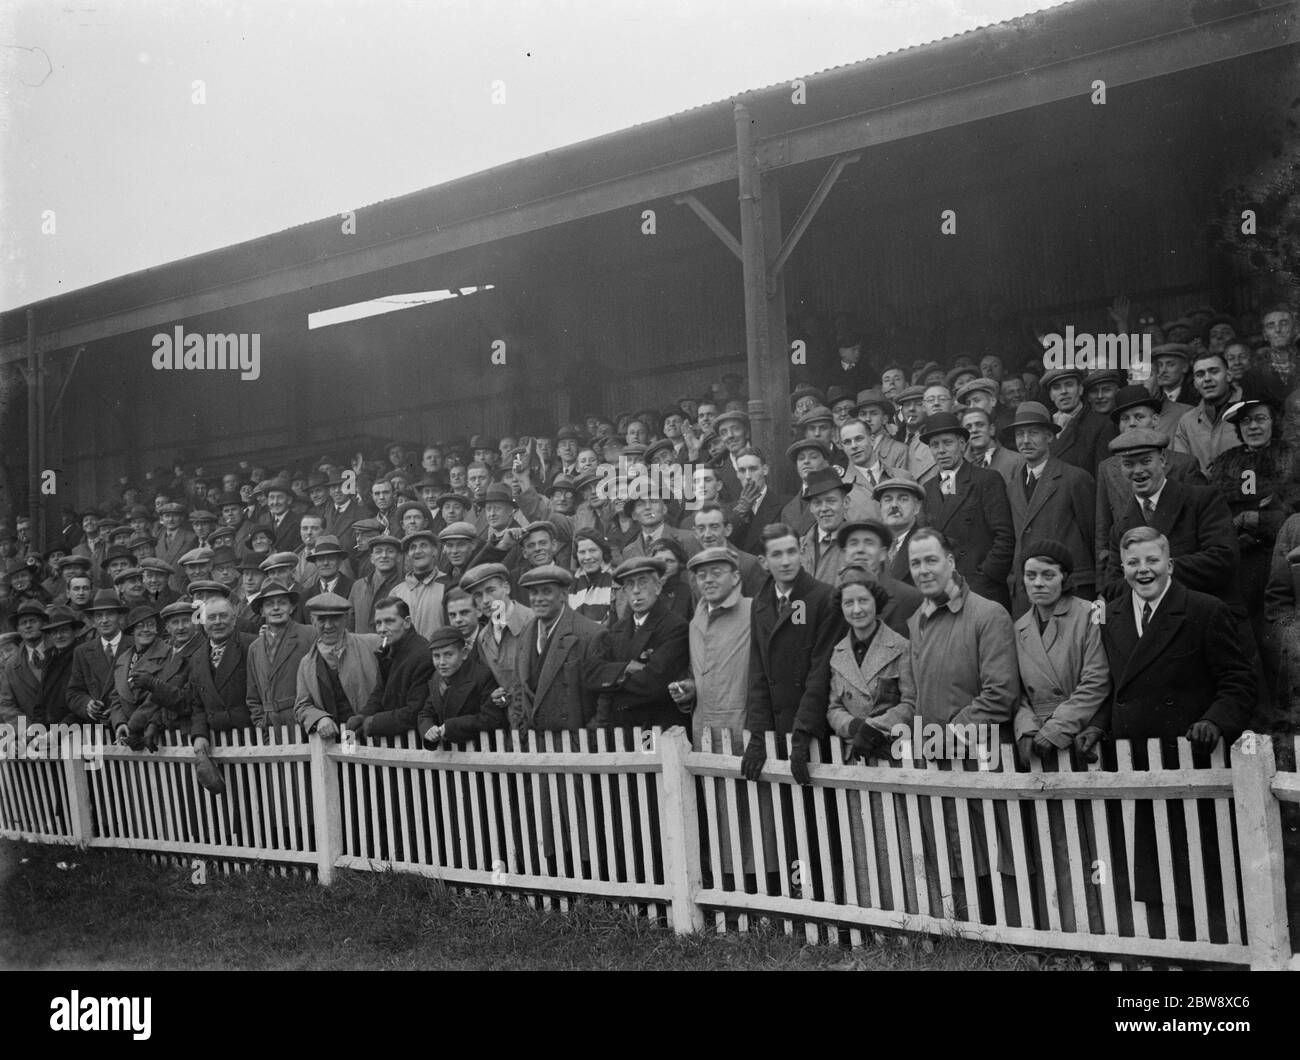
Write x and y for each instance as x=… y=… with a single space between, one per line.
x=461 y=702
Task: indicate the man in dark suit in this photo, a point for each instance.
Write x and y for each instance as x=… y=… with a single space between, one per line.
x=794 y=624
x=969 y=505
x=328 y=556
x=217 y=688
x=558 y=664
x=713 y=530
x=460 y=704
x=1194 y=519
x=759 y=504
x=648 y=651
x=21 y=676
x=650 y=514
x=1178 y=671
x=167 y=688
x=1084 y=433
x=63 y=628
x=174 y=541
x=343 y=512
x=1135 y=408
x=1050 y=499
x=92 y=662
x=284 y=522
x=404 y=671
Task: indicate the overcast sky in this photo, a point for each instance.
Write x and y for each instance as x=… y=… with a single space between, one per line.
x=315 y=108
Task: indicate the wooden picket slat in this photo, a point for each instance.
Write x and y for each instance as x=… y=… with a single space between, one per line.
x=1128 y=810
x=1192 y=820
x=847 y=871
x=1227 y=854
x=1101 y=833
x=1168 y=897
x=1073 y=845
x=588 y=790
x=569 y=790
x=965 y=840
x=731 y=792
x=711 y=828
x=778 y=820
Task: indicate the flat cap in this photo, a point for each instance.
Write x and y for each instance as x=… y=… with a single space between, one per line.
x=1173 y=349
x=445 y=637
x=735 y=417
x=547 y=574
x=457 y=531
x=278 y=559
x=806 y=390
x=130 y=572
x=367 y=525
x=816 y=414
x=385 y=539
x=898 y=483
x=542 y=524
x=451 y=495
x=178 y=607
x=208 y=585
x=664 y=445
x=202 y=515
x=77 y=560
x=911 y=393
x=1139 y=440
x=1103 y=375
x=419 y=535
x=199 y=555
x=1057 y=374
x=476 y=576
x=31 y=607
x=717 y=554
x=155 y=564
x=62 y=615
x=639 y=565
x=976 y=386
x=874 y=526
x=328 y=604
x=172 y=508
x=793 y=449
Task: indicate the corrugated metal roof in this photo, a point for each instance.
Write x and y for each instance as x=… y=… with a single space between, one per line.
x=1010 y=48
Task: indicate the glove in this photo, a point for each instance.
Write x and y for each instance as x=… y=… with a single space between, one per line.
x=799 y=762
x=751 y=764
x=1086 y=741
x=866 y=739
x=1204 y=736
x=150 y=740
x=356 y=723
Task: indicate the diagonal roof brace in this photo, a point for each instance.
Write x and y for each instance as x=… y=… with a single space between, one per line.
x=709 y=218
x=805 y=218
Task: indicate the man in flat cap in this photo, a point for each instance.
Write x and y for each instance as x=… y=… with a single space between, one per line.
x=156 y=575
x=1052 y=499
x=1099 y=389
x=733 y=428
x=91 y=682
x=877 y=412
x=984 y=393
x=405 y=667
x=920 y=461
x=21 y=675
x=69 y=567
x=557 y=670
x=1172 y=364
x=274 y=656
x=461 y=701
x=196 y=565
x=969 y=504
x=648 y=650
x=866 y=544
x=1134 y=408
x=338 y=672
x=500 y=640
x=421 y=590
x=130 y=586
x=174 y=541
x=1083 y=433
x=818 y=424
x=983 y=448
x=713 y=529
x=384 y=554
x=901 y=503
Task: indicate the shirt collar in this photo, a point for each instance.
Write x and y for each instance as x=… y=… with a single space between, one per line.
x=1155 y=497
x=1155 y=604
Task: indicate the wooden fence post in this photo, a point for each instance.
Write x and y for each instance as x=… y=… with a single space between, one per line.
x=1259 y=836
x=326 y=812
x=81 y=820
x=679 y=825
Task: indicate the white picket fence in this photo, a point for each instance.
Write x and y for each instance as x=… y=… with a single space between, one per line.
x=640 y=818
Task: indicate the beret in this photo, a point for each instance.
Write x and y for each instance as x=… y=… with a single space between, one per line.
x=1053 y=550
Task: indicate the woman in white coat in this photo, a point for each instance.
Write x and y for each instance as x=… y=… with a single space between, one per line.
x=872 y=689
x=1064 y=680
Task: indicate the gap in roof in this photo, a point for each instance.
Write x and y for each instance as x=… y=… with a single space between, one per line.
x=390 y=303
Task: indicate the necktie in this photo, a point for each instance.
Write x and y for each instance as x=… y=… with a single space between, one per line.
x=1148 y=509
x=1146 y=618
x=216 y=653
x=37 y=660
x=1031 y=482
x=988 y=458
x=949 y=485
x=108 y=652
x=782 y=606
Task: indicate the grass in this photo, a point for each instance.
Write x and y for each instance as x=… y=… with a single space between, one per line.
x=111 y=910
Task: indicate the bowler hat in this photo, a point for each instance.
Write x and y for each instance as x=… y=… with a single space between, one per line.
x=1130 y=397
x=823 y=480
x=106 y=600
x=943 y=423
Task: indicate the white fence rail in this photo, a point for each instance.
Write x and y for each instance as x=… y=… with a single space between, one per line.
x=1048 y=857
